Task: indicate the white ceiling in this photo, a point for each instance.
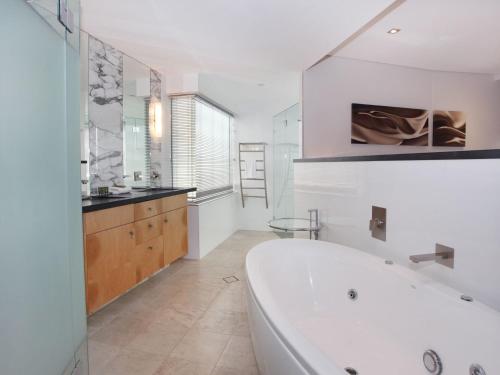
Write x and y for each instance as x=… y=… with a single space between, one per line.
x=257 y=40
x=447 y=35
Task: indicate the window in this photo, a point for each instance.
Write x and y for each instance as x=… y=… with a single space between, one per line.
x=201 y=146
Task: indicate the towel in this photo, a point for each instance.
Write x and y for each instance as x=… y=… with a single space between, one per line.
x=251 y=169
x=114 y=190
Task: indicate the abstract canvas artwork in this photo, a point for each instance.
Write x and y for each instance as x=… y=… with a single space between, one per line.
x=448 y=128
x=381 y=125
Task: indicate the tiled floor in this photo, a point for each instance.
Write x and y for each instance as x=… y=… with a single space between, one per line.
x=184 y=321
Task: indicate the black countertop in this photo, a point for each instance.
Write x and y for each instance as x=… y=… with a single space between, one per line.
x=96 y=204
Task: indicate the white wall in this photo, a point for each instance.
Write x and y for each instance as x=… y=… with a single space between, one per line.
x=453 y=202
x=329 y=89
x=210 y=224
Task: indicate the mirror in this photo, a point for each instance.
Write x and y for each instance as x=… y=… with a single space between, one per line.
x=136 y=137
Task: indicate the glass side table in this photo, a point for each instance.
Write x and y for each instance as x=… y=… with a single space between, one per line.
x=294 y=224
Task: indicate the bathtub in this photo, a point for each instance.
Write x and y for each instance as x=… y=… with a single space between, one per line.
x=320 y=308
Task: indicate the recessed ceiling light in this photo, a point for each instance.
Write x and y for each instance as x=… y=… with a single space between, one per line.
x=260 y=84
x=394 y=30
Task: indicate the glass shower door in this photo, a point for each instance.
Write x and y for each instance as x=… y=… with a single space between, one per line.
x=42 y=313
x=286 y=147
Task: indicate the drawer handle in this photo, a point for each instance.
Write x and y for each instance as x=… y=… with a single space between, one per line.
x=131 y=234
x=150 y=225
x=165 y=221
x=150 y=247
x=150 y=208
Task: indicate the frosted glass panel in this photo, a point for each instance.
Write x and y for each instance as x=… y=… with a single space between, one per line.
x=286 y=135
x=42 y=316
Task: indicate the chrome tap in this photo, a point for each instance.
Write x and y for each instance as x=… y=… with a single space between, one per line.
x=443 y=255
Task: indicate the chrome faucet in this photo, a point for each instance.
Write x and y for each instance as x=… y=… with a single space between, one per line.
x=443 y=255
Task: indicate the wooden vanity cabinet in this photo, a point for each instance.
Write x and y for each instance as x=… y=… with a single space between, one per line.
x=127 y=244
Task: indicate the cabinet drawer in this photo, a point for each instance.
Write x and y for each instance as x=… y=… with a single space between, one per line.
x=172 y=203
x=148 y=258
x=147 y=209
x=109 y=218
x=148 y=229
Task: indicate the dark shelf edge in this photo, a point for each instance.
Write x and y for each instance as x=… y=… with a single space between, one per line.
x=445 y=155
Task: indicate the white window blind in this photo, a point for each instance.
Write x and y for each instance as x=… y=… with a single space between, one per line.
x=201 y=146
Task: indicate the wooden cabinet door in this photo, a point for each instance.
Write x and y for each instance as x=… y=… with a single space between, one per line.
x=110 y=268
x=175 y=234
x=148 y=258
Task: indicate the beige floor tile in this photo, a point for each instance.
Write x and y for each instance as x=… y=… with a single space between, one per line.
x=230 y=300
x=100 y=355
x=133 y=362
x=185 y=315
x=231 y=371
x=201 y=347
x=180 y=366
x=99 y=320
x=238 y=354
x=120 y=331
x=158 y=338
x=225 y=322
x=242 y=328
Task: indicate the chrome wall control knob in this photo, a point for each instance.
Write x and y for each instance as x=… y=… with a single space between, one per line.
x=432 y=362
x=476 y=369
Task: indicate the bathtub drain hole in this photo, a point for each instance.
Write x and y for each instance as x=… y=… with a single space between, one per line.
x=351 y=371
x=352 y=294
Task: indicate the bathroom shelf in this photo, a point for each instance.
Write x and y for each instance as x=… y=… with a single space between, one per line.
x=260 y=179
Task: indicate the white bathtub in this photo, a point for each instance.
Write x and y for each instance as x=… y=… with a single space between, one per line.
x=303 y=321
